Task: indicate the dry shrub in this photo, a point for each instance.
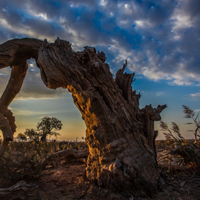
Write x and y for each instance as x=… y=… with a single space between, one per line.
x=24 y=159
x=190 y=154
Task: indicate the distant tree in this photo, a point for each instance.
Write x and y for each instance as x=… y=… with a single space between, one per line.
x=32 y=135
x=21 y=137
x=196 y=120
x=47 y=126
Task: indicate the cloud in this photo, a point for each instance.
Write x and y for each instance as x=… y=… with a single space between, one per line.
x=33 y=91
x=33 y=87
x=195 y=94
x=160 y=94
x=159 y=39
x=27 y=113
x=4 y=77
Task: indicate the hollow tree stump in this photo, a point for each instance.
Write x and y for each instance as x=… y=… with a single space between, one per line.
x=120 y=135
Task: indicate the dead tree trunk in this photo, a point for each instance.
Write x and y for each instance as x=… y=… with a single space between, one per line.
x=120 y=136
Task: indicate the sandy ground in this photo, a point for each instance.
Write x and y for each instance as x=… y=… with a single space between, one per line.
x=67 y=182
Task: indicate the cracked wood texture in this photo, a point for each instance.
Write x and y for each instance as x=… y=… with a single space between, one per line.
x=120 y=135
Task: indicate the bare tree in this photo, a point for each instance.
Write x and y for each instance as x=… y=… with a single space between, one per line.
x=120 y=135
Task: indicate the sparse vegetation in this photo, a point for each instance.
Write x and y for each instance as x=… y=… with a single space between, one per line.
x=172 y=133
x=190 y=114
x=24 y=160
x=185 y=151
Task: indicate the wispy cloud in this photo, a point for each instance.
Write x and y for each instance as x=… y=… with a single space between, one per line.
x=195 y=94
x=160 y=94
x=33 y=87
x=160 y=39
x=31 y=113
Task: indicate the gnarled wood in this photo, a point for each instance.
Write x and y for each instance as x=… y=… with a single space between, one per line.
x=7 y=120
x=119 y=134
x=14 y=53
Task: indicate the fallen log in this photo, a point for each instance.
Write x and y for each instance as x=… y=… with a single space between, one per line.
x=55 y=158
x=19 y=191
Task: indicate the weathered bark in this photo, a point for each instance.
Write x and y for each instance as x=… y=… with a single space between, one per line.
x=7 y=120
x=120 y=136
x=14 y=54
x=20 y=190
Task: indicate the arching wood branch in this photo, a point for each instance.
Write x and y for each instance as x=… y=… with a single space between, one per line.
x=14 y=53
x=7 y=120
x=18 y=51
x=119 y=134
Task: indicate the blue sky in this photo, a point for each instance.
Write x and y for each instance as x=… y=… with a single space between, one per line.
x=160 y=39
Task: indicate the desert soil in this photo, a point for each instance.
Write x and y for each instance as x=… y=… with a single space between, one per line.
x=67 y=182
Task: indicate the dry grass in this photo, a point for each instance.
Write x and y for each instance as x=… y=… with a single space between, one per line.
x=24 y=160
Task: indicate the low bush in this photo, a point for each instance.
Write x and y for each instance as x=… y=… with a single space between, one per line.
x=24 y=160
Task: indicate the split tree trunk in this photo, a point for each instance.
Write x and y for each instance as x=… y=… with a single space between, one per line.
x=120 y=136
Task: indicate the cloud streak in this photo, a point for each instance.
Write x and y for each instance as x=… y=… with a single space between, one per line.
x=33 y=87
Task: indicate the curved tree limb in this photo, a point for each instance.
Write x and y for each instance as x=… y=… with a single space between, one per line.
x=7 y=120
x=14 y=53
x=18 y=51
